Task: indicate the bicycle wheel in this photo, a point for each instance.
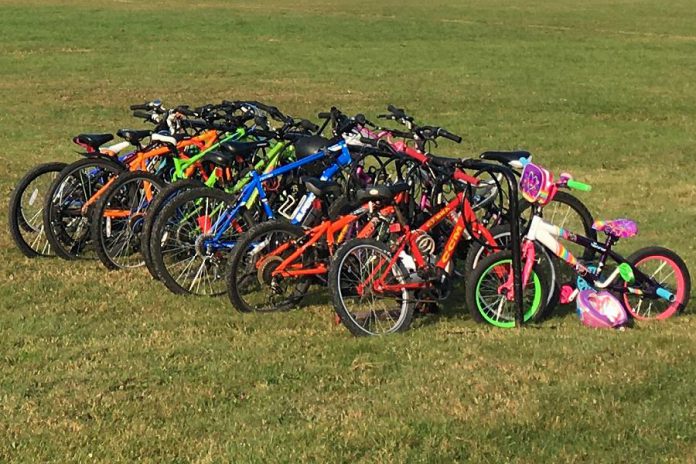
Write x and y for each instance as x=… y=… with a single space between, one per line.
x=163 y=197
x=250 y=283
x=665 y=268
x=545 y=262
x=192 y=238
x=117 y=219
x=66 y=222
x=26 y=210
x=363 y=310
x=485 y=298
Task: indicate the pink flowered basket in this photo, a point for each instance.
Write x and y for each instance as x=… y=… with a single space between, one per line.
x=537 y=184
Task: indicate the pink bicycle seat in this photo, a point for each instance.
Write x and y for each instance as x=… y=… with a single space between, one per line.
x=620 y=228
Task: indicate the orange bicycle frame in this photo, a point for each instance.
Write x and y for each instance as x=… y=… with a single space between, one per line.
x=139 y=163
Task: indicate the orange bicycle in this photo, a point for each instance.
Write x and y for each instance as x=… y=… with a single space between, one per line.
x=274 y=263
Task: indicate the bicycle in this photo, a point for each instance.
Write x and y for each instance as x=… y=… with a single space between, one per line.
x=25 y=210
x=492 y=214
x=194 y=233
x=119 y=217
x=276 y=154
x=68 y=203
x=654 y=275
x=408 y=270
x=274 y=263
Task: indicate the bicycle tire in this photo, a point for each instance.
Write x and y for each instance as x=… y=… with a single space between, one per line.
x=237 y=267
x=101 y=229
x=473 y=296
x=403 y=322
x=158 y=239
x=682 y=278
x=62 y=243
x=165 y=195
x=17 y=222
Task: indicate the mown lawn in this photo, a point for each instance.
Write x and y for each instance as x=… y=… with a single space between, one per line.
x=110 y=367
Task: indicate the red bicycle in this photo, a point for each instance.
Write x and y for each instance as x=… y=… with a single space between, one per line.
x=376 y=287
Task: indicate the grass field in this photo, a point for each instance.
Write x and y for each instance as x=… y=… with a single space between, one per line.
x=109 y=367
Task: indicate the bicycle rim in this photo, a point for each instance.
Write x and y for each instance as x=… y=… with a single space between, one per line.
x=374 y=313
x=123 y=219
x=495 y=307
x=191 y=255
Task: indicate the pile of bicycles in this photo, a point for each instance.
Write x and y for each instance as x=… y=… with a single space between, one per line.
x=243 y=199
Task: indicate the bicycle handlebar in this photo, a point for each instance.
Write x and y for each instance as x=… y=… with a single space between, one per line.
x=186 y=111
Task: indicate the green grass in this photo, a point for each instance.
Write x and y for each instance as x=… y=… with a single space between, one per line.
x=110 y=367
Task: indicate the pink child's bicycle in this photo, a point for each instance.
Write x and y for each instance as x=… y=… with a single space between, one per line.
x=652 y=283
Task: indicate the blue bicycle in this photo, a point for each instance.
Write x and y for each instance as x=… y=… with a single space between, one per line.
x=193 y=235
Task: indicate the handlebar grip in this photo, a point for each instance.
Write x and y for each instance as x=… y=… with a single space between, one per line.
x=142 y=114
x=324 y=115
x=394 y=109
x=264 y=133
x=185 y=111
x=309 y=125
x=142 y=106
x=195 y=123
x=222 y=127
x=464 y=177
x=448 y=135
x=347 y=126
x=441 y=161
x=402 y=134
x=577 y=185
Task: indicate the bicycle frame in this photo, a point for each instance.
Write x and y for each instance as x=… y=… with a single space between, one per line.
x=409 y=239
x=255 y=187
x=139 y=161
x=184 y=167
x=548 y=234
x=334 y=231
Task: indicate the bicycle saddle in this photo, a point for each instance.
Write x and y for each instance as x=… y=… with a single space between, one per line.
x=319 y=187
x=619 y=228
x=133 y=136
x=219 y=158
x=511 y=158
x=93 y=140
x=381 y=193
x=242 y=149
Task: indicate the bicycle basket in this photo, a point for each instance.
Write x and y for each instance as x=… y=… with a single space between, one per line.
x=537 y=184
